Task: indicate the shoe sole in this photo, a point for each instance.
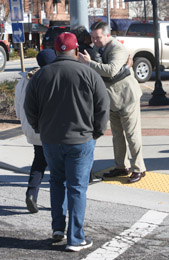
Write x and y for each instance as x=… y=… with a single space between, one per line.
x=31 y=207
x=77 y=248
x=97 y=179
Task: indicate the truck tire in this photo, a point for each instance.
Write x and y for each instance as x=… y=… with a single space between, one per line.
x=142 y=69
x=2 y=58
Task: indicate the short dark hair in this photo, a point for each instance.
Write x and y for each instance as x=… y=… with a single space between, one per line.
x=80 y=32
x=100 y=25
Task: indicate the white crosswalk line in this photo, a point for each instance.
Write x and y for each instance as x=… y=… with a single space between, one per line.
x=118 y=245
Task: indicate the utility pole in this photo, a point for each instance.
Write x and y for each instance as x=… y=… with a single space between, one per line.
x=79 y=13
x=22 y=57
x=108 y=15
x=145 y=13
x=30 y=23
x=159 y=98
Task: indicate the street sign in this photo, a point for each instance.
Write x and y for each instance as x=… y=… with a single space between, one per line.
x=16 y=10
x=18 y=32
x=35 y=26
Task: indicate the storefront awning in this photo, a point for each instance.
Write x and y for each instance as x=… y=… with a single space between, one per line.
x=120 y=24
x=116 y=24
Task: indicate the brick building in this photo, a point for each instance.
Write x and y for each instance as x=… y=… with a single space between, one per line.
x=41 y=13
x=58 y=10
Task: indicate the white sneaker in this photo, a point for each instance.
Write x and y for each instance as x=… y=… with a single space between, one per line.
x=58 y=235
x=85 y=244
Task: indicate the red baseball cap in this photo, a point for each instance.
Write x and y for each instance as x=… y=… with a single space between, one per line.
x=65 y=42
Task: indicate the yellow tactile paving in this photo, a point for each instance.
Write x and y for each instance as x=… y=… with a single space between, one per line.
x=152 y=181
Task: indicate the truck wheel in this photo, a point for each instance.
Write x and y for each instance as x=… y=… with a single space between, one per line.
x=2 y=58
x=142 y=69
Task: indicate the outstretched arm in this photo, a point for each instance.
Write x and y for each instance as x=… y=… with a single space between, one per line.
x=123 y=73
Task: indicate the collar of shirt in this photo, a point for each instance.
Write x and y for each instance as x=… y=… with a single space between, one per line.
x=101 y=50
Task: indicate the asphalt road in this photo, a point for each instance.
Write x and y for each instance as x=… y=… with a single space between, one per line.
x=120 y=231
x=13 y=69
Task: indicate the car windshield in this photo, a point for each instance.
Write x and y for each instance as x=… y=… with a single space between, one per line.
x=54 y=31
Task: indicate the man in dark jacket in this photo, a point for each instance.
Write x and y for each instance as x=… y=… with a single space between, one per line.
x=68 y=104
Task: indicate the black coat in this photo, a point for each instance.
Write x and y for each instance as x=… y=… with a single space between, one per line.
x=67 y=102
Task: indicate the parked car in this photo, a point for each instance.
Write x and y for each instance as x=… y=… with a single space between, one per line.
x=50 y=36
x=4 y=54
x=139 y=41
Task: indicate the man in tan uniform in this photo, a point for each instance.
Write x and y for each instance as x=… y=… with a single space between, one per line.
x=124 y=103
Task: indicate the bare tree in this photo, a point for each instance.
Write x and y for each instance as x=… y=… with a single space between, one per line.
x=4 y=14
x=163 y=9
x=138 y=11
x=4 y=5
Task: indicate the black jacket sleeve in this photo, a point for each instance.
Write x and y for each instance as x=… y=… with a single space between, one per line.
x=123 y=73
x=101 y=108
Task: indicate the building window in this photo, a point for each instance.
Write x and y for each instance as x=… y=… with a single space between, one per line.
x=117 y=4
x=111 y=3
x=55 y=8
x=66 y=6
x=102 y=3
x=95 y=3
x=43 y=6
x=123 y=4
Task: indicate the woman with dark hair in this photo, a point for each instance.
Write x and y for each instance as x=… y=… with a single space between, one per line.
x=39 y=164
x=84 y=41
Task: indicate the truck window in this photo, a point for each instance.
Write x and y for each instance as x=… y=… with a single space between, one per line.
x=141 y=29
x=168 y=31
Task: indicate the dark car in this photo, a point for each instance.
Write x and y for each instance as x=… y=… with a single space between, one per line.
x=50 y=36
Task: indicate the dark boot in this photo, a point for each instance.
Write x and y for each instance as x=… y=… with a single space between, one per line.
x=32 y=191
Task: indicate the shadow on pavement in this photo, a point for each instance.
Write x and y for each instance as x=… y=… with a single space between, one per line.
x=11 y=133
x=152 y=164
x=10 y=167
x=17 y=210
x=20 y=180
x=17 y=69
x=46 y=244
x=12 y=210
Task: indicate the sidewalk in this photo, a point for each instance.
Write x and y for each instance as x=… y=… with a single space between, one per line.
x=151 y=192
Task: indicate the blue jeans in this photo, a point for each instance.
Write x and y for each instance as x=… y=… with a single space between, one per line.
x=70 y=166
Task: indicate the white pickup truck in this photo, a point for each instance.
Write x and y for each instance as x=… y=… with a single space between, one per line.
x=139 y=41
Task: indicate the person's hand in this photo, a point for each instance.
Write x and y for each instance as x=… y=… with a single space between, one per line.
x=129 y=61
x=84 y=58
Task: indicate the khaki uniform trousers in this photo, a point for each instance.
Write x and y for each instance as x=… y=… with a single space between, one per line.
x=126 y=126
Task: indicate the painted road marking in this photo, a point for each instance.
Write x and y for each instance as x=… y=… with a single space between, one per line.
x=121 y=243
x=146 y=86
